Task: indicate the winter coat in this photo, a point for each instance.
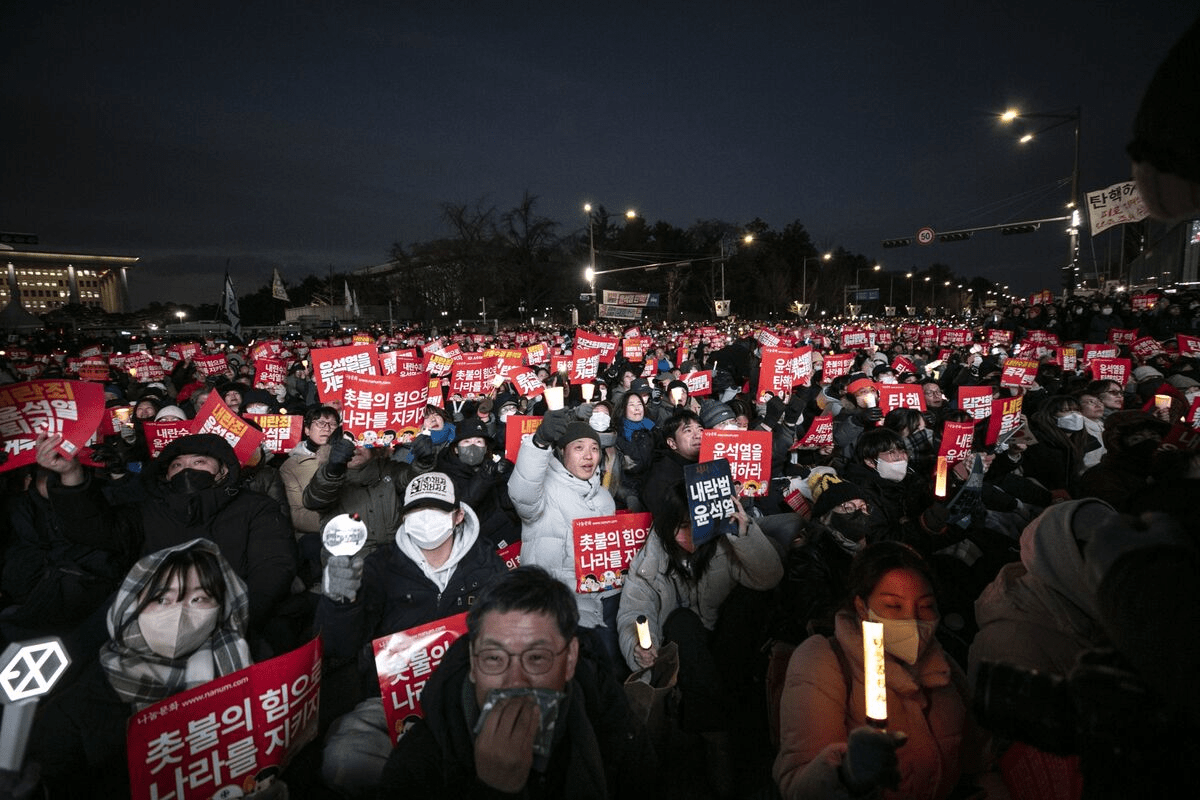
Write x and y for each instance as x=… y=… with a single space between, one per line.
x=374 y=491
x=397 y=595
x=603 y=752
x=548 y=499
x=821 y=704
x=666 y=471
x=750 y=560
x=296 y=473
x=485 y=489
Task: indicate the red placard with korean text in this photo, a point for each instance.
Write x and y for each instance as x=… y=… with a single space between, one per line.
x=331 y=363
x=215 y=364
x=1019 y=373
x=1094 y=351
x=954 y=337
x=1143 y=302
x=975 y=400
x=778 y=371
x=213 y=740
x=607 y=345
x=699 y=384
x=1188 y=345
x=403 y=663
x=820 y=434
x=836 y=366
x=957 y=438
x=526 y=382
x=999 y=338
x=269 y=372
x=73 y=409
x=604 y=546
x=518 y=428
x=1111 y=369
x=585 y=365
x=900 y=395
x=537 y=354
x=1006 y=417
x=1067 y=358
x=1121 y=337
x=900 y=365
x=216 y=417
x=749 y=456
x=281 y=432
x=380 y=409
x=472 y=375
x=161 y=434
x=854 y=338
x=631 y=348
x=1193 y=413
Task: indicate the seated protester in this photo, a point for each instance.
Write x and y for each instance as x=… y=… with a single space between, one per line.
x=860 y=411
x=191 y=492
x=826 y=750
x=1092 y=409
x=1110 y=393
x=319 y=424
x=918 y=437
x=1056 y=461
x=475 y=740
x=1146 y=381
x=881 y=470
x=1130 y=440
x=681 y=437
x=936 y=403
x=635 y=444
x=54 y=576
x=178 y=621
x=689 y=595
x=261 y=475
x=437 y=431
x=434 y=567
x=480 y=476
x=363 y=481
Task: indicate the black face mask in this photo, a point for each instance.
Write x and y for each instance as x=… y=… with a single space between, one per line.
x=857 y=526
x=190 y=481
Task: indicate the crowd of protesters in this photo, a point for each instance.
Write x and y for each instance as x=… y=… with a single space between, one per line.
x=994 y=566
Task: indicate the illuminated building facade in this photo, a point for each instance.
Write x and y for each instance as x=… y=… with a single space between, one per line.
x=52 y=280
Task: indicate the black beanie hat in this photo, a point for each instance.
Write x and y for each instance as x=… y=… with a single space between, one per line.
x=578 y=430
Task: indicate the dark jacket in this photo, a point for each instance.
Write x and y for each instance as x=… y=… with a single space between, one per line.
x=485 y=489
x=666 y=471
x=604 y=751
x=375 y=491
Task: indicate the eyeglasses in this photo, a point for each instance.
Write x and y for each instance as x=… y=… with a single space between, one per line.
x=535 y=660
x=323 y=425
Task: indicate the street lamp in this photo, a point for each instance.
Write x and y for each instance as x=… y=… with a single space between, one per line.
x=804 y=276
x=181 y=315
x=1060 y=118
x=909 y=275
x=927 y=280
x=630 y=214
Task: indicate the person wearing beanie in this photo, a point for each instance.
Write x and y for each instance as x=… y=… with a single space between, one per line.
x=555 y=481
x=480 y=476
x=170 y=414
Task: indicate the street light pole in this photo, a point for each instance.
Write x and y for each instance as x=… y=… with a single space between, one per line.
x=804 y=276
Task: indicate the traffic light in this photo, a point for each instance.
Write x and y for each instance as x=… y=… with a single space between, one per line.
x=897 y=242
x=1009 y=230
x=954 y=237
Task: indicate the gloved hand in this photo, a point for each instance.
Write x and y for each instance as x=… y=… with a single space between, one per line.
x=341 y=450
x=934 y=518
x=554 y=424
x=775 y=409
x=656 y=394
x=343 y=578
x=111 y=457
x=583 y=411
x=795 y=408
x=870 y=759
x=871 y=415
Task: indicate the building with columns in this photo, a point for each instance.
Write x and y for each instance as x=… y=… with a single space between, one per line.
x=52 y=280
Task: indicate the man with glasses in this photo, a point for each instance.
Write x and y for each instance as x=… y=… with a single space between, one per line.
x=319 y=424
x=488 y=707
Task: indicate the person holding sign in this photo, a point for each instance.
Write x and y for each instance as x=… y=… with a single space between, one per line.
x=930 y=741
x=681 y=587
x=179 y=620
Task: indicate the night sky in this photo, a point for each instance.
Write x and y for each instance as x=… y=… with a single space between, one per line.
x=303 y=135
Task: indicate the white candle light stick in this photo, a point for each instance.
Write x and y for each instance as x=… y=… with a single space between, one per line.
x=643 y=632
x=554 y=397
x=874 y=674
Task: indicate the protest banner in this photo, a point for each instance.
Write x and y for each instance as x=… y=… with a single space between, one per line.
x=607 y=345
x=269 y=372
x=510 y=554
x=699 y=384
x=217 y=418
x=94 y=368
x=836 y=365
x=900 y=395
x=518 y=428
x=584 y=365
x=1111 y=369
x=820 y=434
x=1094 y=351
x=403 y=663
x=777 y=371
x=957 y=438
x=272 y=348
x=472 y=376
x=331 y=363
x=604 y=546
x=709 y=488
x=536 y=355
x=218 y=739
x=1188 y=345
x=1115 y=205
x=281 y=432
x=161 y=434
x=211 y=364
x=380 y=409
x=179 y=352
x=853 y=339
x=1121 y=337
x=1019 y=373
x=631 y=348
x=1143 y=302
x=1006 y=417
x=975 y=400
x=1146 y=348
x=72 y=409
x=765 y=338
x=1067 y=358
x=954 y=337
x=900 y=365
x=999 y=338
x=1193 y=413
x=526 y=382
x=749 y=456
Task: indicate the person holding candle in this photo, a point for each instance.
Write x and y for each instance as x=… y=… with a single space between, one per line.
x=825 y=749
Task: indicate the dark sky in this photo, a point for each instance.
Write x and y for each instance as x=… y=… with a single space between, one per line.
x=309 y=134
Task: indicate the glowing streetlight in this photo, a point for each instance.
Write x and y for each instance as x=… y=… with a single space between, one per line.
x=804 y=274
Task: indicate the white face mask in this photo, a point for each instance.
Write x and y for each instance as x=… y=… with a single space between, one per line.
x=892 y=470
x=906 y=639
x=599 y=422
x=177 y=630
x=428 y=528
x=1070 y=422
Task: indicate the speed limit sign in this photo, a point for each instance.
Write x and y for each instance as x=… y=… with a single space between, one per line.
x=925 y=236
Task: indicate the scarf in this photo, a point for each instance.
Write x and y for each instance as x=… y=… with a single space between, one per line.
x=142 y=677
x=629 y=428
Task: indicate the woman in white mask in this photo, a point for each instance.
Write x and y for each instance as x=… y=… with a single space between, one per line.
x=1057 y=460
x=824 y=749
x=178 y=621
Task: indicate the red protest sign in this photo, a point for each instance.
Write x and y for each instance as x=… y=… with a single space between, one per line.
x=1019 y=373
x=699 y=384
x=781 y=368
x=472 y=376
x=749 y=456
x=1094 y=351
x=1181 y=437
x=211 y=741
x=1193 y=414
x=820 y=434
x=999 y=338
x=1143 y=302
x=1146 y=348
x=380 y=409
x=1111 y=369
x=511 y=555
x=954 y=337
x=1121 y=337
x=836 y=366
x=73 y=409
x=527 y=383
x=209 y=365
x=1006 y=417
x=94 y=368
x=281 y=432
x=765 y=338
x=518 y=428
x=1067 y=358
x=853 y=338
x=536 y=355
x=269 y=372
x=604 y=547
x=901 y=395
x=161 y=434
x=607 y=345
x=218 y=418
x=331 y=363
x=585 y=365
x=1188 y=345
x=631 y=348
x=403 y=663
x=975 y=400
x=900 y=365
x=957 y=438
